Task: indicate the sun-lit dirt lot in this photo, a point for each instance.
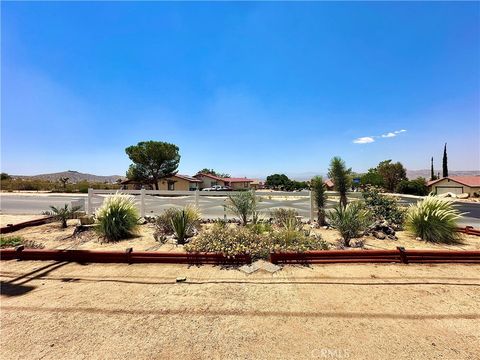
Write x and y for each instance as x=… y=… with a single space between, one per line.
x=115 y=311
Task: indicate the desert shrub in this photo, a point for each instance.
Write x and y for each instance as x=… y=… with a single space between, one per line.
x=13 y=241
x=117 y=217
x=281 y=215
x=64 y=213
x=413 y=187
x=244 y=240
x=244 y=205
x=383 y=207
x=350 y=221
x=185 y=222
x=226 y=240
x=433 y=219
x=294 y=240
x=260 y=227
x=163 y=222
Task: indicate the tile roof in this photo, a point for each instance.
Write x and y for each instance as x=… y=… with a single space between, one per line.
x=473 y=181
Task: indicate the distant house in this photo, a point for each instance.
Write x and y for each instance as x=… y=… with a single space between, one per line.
x=257 y=184
x=175 y=182
x=329 y=184
x=456 y=185
x=209 y=180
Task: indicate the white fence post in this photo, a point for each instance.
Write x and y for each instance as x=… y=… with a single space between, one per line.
x=197 y=195
x=89 y=201
x=142 y=202
x=311 y=206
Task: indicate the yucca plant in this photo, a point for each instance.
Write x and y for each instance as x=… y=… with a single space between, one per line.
x=64 y=213
x=117 y=217
x=184 y=222
x=433 y=219
x=350 y=221
x=244 y=205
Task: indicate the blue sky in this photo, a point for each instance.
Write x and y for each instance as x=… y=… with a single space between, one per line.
x=246 y=88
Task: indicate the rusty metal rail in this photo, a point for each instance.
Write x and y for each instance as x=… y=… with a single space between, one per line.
x=14 y=227
x=400 y=255
x=129 y=256
x=469 y=230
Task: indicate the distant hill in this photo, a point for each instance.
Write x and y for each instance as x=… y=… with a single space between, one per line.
x=73 y=177
x=413 y=174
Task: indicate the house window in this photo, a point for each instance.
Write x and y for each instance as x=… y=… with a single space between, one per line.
x=171 y=185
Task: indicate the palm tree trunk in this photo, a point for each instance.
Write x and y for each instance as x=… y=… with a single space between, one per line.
x=321 y=217
x=343 y=199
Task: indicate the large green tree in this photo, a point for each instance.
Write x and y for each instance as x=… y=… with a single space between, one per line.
x=152 y=160
x=318 y=187
x=341 y=177
x=277 y=181
x=372 y=177
x=392 y=173
x=445 y=162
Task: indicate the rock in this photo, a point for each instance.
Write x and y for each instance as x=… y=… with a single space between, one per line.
x=141 y=221
x=392 y=237
x=418 y=238
x=447 y=194
x=463 y=196
x=86 y=220
x=379 y=235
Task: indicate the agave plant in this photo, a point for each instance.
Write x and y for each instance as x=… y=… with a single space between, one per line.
x=350 y=221
x=117 y=217
x=64 y=213
x=433 y=219
x=184 y=222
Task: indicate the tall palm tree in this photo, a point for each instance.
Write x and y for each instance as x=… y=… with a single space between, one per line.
x=340 y=175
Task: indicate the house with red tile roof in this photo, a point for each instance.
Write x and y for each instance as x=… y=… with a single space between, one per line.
x=209 y=180
x=456 y=184
x=175 y=182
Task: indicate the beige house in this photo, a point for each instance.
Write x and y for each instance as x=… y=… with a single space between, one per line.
x=456 y=185
x=209 y=180
x=176 y=182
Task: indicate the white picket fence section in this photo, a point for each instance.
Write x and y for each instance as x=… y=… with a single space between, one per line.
x=210 y=203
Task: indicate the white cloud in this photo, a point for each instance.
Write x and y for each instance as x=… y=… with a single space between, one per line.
x=370 y=139
x=390 y=134
x=364 y=140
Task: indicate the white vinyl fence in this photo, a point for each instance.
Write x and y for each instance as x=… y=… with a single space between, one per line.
x=210 y=203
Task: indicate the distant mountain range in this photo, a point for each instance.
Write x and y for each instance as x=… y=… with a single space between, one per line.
x=413 y=174
x=73 y=177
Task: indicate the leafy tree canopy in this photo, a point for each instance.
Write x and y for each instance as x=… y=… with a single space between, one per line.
x=372 y=177
x=214 y=173
x=152 y=160
x=392 y=173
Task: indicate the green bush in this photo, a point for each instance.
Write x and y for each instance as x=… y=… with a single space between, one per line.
x=244 y=205
x=413 y=187
x=294 y=240
x=185 y=222
x=433 y=219
x=13 y=241
x=163 y=222
x=64 y=213
x=117 y=217
x=351 y=221
x=383 y=207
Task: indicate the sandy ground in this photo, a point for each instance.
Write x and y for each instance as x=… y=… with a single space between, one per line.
x=15 y=219
x=115 y=311
x=53 y=237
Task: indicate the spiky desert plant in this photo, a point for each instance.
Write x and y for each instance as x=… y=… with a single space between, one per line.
x=184 y=222
x=64 y=213
x=433 y=219
x=350 y=221
x=244 y=205
x=341 y=177
x=320 y=198
x=117 y=217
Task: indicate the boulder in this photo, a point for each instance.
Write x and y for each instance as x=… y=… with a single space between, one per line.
x=463 y=196
x=86 y=220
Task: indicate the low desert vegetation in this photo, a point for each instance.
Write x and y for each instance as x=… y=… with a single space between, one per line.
x=117 y=217
x=185 y=222
x=244 y=205
x=14 y=241
x=234 y=240
x=64 y=213
x=434 y=219
x=384 y=207
x=351 y=221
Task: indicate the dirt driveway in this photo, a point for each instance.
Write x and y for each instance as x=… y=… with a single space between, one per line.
x=114 y=311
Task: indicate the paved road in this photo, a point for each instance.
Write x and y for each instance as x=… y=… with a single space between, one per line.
x=35 y=204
